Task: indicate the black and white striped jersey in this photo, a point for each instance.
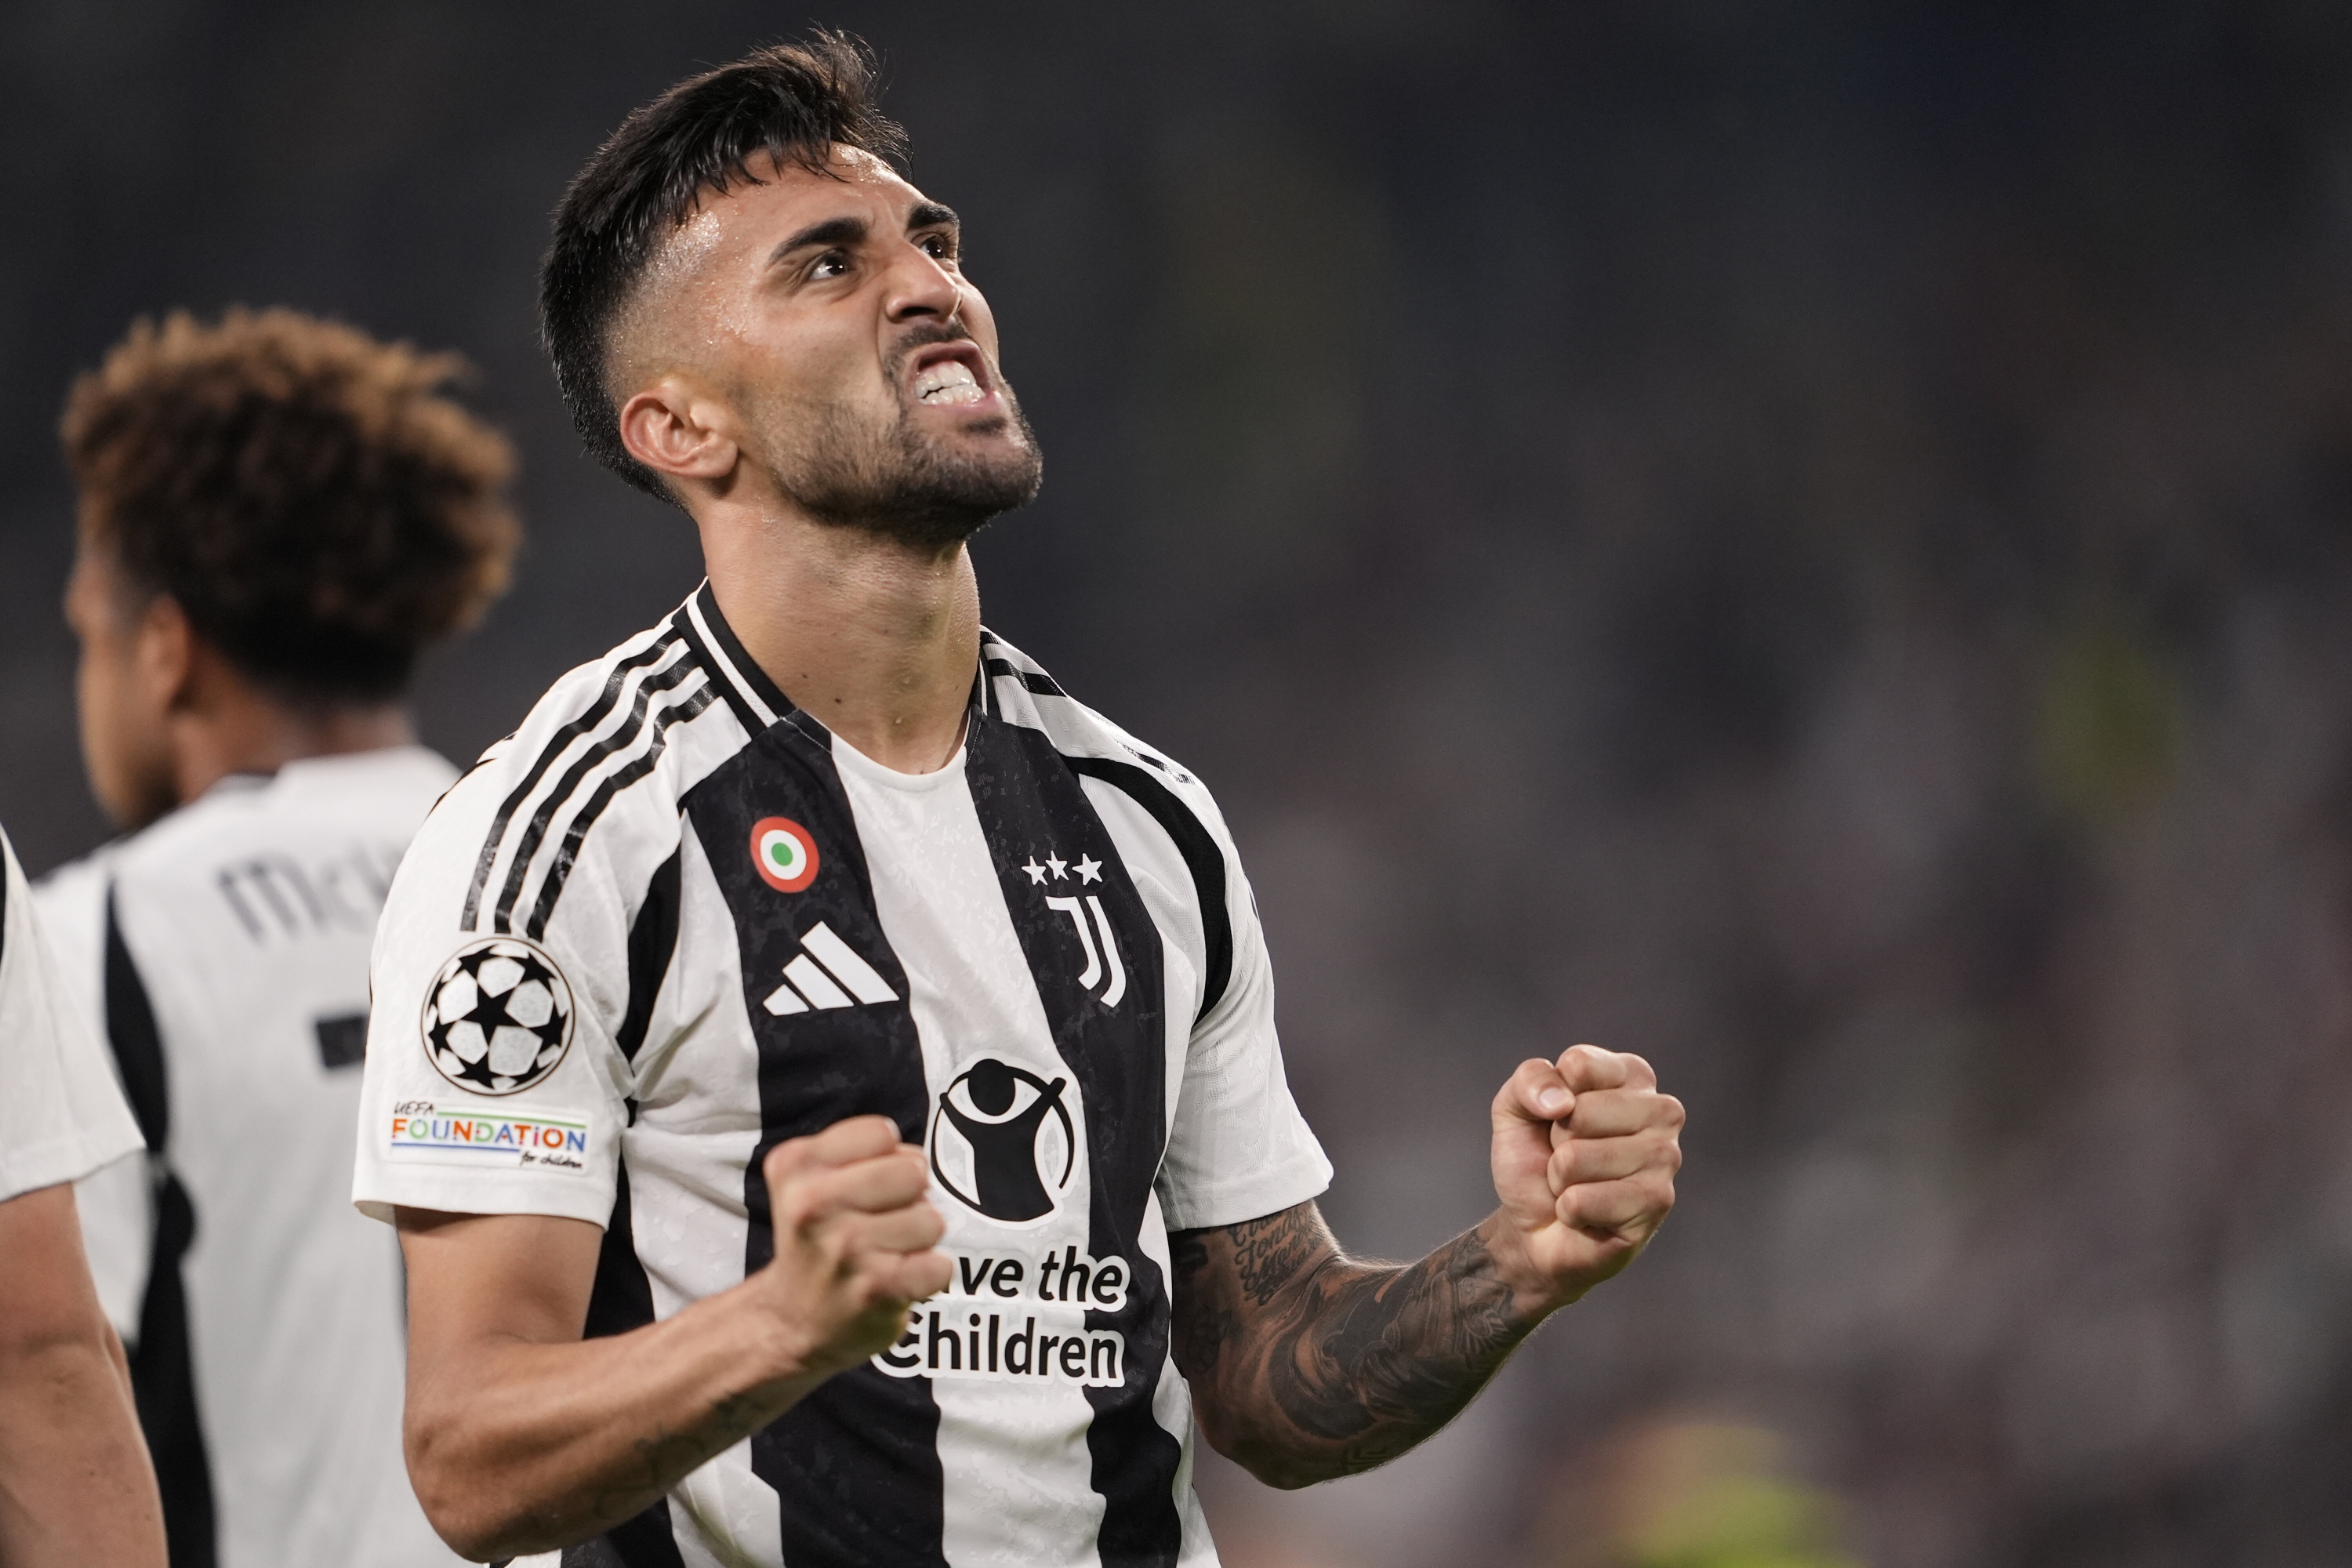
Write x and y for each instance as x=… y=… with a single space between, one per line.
x=225 y=951
x=674 y=921
x=61 y=1114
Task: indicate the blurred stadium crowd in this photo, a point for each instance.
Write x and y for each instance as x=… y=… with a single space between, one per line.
x=1807 y=541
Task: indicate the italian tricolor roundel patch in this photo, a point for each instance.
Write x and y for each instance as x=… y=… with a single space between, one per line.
x=785 y=853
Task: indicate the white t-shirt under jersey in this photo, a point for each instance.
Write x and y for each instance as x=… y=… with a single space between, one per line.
x=238 y=927
x=61 y=1115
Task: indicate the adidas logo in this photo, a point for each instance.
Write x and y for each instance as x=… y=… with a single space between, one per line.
x=826 y=974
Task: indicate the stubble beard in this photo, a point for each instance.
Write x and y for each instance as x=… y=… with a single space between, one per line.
x=896 y=481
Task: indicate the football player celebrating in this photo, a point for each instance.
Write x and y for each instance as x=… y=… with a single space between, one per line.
x=76 y=1491
x=824 y=1075
x=276 y=514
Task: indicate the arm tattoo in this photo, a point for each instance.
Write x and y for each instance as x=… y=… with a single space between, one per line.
x=1306 y=1364
x=1269 y=1253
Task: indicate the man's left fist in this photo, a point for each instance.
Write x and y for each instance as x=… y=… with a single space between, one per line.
x=1585 y=1155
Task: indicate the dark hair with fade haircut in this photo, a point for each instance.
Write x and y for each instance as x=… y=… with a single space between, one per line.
x=793 y=102
x=310 y=499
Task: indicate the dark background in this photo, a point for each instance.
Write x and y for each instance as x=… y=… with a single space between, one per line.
x=1809 y=542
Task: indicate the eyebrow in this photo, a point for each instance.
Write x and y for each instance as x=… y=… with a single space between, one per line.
x=831 y=231
x=853 y=230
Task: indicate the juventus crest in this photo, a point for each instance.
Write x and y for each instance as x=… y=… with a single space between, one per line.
x=1106 y=971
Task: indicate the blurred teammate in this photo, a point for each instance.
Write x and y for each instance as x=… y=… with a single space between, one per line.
x=818 y=951
x=76 y=1491
x=276 y=514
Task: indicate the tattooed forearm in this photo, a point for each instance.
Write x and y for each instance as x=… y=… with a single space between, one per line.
x=1204 y=1321
x=1306 y=1365
x=1269 y=1253
x=1376 y=1360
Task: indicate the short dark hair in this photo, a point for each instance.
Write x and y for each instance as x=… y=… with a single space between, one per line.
x=793 y=103
x=310 y=497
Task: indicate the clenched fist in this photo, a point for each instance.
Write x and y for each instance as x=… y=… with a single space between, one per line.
x=1585 y=1154
x=854 y=1240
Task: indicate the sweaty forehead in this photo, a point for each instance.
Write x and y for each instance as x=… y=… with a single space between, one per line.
x=788 y=196
x=740 y=221
x=856 y=164
x=705 y=265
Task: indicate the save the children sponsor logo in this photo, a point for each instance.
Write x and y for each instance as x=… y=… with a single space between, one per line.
x=1019 y=1318
x=427 y=1131
x=1002 y=1141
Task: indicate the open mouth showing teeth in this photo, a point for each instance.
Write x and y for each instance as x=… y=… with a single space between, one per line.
x=948 y=381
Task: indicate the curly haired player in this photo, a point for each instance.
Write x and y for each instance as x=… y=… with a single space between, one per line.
x=276 y=514
x=746 y=1239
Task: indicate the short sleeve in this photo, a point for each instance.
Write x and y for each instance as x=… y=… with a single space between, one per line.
x=116 y=1203
x=62 y=1115
x=1239 y=1148
x=493 y=1083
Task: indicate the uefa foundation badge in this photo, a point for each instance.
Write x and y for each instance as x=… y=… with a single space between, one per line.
x=784 y=852
x=499 y=1017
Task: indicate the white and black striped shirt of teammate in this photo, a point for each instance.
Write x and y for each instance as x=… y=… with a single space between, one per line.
x=226 y=948
x=62 y=1115
x=825 y=1077
x=75 y=1483
x=276 y=514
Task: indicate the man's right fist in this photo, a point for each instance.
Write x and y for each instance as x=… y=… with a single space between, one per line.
x=854 y=1240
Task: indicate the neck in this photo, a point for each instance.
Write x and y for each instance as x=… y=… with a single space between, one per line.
x=255 y=735
x=876 y=638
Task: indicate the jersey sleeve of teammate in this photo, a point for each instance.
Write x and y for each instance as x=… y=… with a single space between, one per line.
x=116 y=1203
x=61 y=1114
x=497 y=1077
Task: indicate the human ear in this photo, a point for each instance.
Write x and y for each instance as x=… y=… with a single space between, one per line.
x=674 y=429
x=164 y=655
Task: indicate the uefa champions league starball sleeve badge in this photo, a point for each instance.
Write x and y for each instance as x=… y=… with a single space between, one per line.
x=499 y=1017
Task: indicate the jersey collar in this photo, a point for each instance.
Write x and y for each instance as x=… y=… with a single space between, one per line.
x=757 y=701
